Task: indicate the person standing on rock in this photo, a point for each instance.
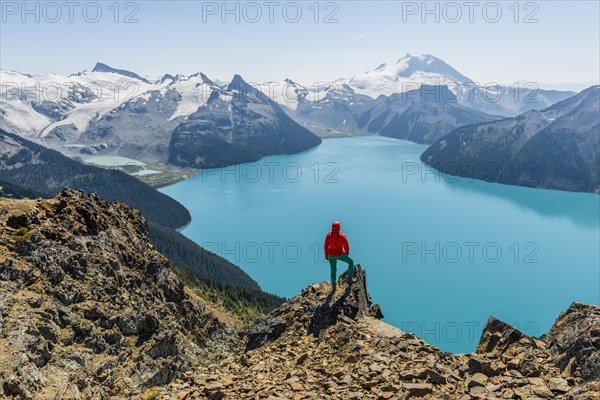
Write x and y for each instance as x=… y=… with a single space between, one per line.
x=337 y=248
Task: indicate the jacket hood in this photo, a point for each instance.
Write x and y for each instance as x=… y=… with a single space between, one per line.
x=335 y=227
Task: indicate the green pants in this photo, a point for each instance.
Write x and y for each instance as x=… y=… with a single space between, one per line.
x=333 y=264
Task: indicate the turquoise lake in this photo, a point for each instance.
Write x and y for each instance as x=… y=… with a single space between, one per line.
x=442 y=253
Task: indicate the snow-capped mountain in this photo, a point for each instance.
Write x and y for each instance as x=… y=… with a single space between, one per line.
x=141 y=127
x=334 y=109
x=36 y=105
x=408 y=73
x=100 y=67
x=289 y=93
x=194 y=91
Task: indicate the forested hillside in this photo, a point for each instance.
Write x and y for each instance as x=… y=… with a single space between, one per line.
x=37 y=168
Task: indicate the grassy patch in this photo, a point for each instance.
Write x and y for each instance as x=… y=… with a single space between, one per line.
x=152 y=394
x=21 y=235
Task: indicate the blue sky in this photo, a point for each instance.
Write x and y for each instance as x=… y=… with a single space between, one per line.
x=554 y=43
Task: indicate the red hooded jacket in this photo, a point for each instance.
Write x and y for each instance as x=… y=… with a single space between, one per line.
x=336 y=243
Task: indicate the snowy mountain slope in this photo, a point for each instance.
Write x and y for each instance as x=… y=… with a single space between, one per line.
x=111 y=91
x=35 y=106
x=408 y=73
x=412 y=71
x=194 y=91
x=288 y=93
x=335 y=113
x=139 y=128
x=29 y=103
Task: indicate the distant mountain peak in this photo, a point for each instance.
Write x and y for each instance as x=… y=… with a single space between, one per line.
x=237 y=80
x=205 y=78
x=101 y=67
x=407 y=73
x=427 y=63
x=406 y=56
x=246 y=90
x=167 y=77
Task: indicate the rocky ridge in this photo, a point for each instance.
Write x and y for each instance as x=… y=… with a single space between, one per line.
x=88 y=308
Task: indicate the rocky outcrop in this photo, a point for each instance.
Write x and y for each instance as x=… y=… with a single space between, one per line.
x=527 y=367
x=575 y=338
x=312 y=315
x=498 y=337
x=88 y=308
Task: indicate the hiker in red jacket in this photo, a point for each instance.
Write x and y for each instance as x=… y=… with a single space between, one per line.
x=337 y=248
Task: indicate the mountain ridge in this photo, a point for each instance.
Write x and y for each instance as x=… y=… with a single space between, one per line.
x=555 y=148
x=30 y=171
x=101 y=67
x=95 y=300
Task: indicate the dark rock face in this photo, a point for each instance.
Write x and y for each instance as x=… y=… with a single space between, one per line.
x=576 y=334
x=52 y=110
x=264 y=330
x=86 y=281
x=421 y=115
x=316 y=308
